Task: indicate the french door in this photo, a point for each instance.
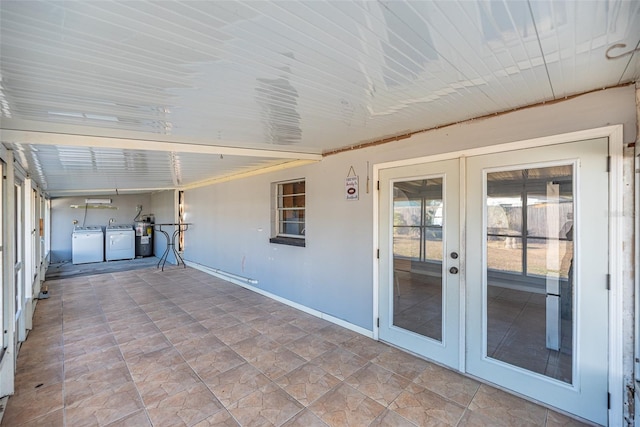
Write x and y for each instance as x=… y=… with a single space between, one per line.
x=534 y=302
x=419 y=238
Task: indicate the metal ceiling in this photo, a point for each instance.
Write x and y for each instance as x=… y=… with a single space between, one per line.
x=126 y=90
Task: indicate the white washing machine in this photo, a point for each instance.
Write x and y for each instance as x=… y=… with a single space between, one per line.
x=119 y=242
x=87 y=244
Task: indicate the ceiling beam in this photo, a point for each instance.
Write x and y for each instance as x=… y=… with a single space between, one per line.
x=75 y=140
x=231 y=177
x=104 y=191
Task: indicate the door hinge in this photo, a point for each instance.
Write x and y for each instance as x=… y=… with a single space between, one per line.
x=378 y=322
x=608 y=400
x=608 y=163
x=378 y=185
x=378 y=253
x=608 y=282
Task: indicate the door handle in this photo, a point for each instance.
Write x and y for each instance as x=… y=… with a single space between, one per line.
x=453 y=270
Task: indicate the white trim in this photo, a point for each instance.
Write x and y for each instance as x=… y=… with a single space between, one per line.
x=244 y=282
x=636 y=212
x=615 y=135
x=578 y=235
x=19 y=172
x=605 y=132
x=616 y=337
x=484 y=263
x=13 y=124
x=106 y=191
x=376 y=252
x=29 y=228
x=462 y=264
x=7 y=364
x=278 y=210
x=65 y=139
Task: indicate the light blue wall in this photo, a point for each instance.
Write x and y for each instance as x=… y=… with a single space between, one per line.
x=331 y=274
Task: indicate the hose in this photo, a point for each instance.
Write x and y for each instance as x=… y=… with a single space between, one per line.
x=138 y=215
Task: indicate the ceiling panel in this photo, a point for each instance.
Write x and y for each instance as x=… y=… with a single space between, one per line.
x=64 y=170
x=300 y=76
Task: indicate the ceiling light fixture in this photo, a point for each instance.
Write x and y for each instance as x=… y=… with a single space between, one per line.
x=97 y=201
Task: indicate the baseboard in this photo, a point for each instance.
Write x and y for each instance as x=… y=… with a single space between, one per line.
x=246 y=283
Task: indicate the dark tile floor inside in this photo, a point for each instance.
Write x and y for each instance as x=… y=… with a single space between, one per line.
x=181 y=347
x=516 y=323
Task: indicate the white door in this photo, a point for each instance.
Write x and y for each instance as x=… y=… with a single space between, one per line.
x=19 y=257
x=7 y=366
x=419 y=259
x=537 y=265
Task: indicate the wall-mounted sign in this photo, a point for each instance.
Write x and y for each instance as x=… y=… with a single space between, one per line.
x=351 y=187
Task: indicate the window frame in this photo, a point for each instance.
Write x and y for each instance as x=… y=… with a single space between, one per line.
x=278 y=209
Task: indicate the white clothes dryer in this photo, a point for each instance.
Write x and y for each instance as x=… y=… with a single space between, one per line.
x=119 y=242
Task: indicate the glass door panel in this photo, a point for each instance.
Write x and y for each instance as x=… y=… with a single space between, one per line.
x=417 y=256
x=529 y=281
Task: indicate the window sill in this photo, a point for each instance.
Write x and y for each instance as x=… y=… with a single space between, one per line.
x=288 y=241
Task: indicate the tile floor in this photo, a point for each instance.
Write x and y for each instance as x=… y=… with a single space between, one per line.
x=516 y=326
x=180 y=347
x=516 y=323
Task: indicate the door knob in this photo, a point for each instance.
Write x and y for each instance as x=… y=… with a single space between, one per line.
x=454 y=255
x=453 y=270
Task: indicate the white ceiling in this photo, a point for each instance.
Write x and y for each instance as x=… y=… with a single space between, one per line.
x=144 y=95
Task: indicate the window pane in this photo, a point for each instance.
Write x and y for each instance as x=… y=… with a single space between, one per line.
x=433 y=213
x=406 y=242
x=504 y=221
x=292 y=228
x=407 y=213
x=291 y=214
x=298 y=187
x=433 y=243
x=286 y=188
x=504 y=216
x=546 y=257
x=296 y=201
x=504 y=254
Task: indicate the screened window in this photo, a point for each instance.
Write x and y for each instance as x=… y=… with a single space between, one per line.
x=289 y=221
